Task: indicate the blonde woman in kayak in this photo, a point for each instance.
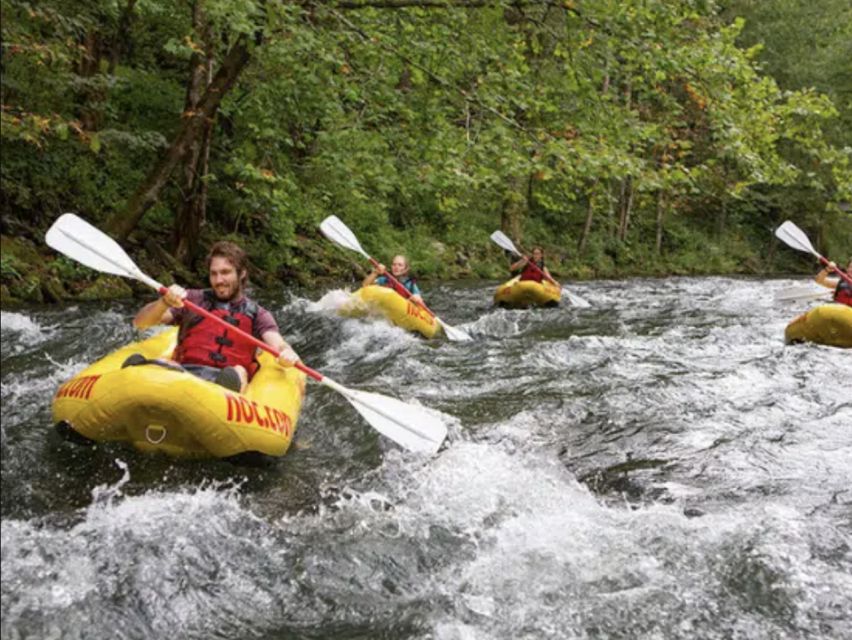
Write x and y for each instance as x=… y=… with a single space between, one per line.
x=400 y=271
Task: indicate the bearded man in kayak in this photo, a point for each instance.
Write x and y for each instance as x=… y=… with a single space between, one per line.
x=400 y=271
x=528 y=271
x=204 y=347
x=842 y=289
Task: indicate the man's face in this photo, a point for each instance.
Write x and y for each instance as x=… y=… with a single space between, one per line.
x=224 y=279
x=398 y=266
x=537 y=255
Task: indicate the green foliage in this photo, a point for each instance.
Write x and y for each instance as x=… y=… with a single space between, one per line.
x=425 y=129
x=10 y=268
x=71 y=271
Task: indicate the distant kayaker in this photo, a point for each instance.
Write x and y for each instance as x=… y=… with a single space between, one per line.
x=528 y=271
x=842 y=289
x=205 y=348
x=400 y=271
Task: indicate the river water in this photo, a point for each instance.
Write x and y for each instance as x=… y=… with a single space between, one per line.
x=657 y=466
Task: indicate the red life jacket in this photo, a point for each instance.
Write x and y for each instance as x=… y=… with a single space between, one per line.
x=531 y=273
x=843 y=293
x=205 y=342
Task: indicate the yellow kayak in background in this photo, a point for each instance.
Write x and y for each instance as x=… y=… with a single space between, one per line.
x=161 y=409
x=828 y=324
x=375 y=300
x=520 y=294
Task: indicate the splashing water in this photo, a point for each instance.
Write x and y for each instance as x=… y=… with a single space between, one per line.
x=659 y=465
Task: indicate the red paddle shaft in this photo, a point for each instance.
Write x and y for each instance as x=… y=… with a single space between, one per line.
x=399 y=287
x=258 y=343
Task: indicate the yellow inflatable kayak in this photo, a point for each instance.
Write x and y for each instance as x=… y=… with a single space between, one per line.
x=520 y=294
x=160 y=409
x=828 y=324
x=387 y=303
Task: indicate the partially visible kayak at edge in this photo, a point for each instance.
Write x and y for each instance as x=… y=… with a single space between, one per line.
x=827 y=324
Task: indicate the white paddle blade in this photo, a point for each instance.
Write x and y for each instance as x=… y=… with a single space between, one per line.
x=503 y=241
x=801 y=293
x=80 y=241
x=411 y=427
x=334 y=229
x=454 y=334
x=794 y=237
x=576 y=300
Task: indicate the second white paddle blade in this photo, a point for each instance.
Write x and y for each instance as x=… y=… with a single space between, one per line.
x=334 y=229
x=412 y=427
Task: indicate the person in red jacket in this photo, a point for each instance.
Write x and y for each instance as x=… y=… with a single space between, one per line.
x=528 y=271
x=205 y=348
x=842 y=289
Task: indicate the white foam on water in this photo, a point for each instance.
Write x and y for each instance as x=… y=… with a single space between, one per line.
x=494 y=537
x=171 y=554
x=22 y=331
x=20 y=323
x=533 y=550
x=368 y=340
x=330 y=302
x=499 y=323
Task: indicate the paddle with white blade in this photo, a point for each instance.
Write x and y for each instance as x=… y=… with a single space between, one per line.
x=802 y=293
x=794 y=237
x=334 y=229
x=503 y=241
x=410 y=426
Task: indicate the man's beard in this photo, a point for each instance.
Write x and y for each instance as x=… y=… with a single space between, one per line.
x=230 y=293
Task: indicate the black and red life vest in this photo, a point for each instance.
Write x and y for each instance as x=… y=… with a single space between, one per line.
x=843 y=292
x=206 y=342
x=531 y=273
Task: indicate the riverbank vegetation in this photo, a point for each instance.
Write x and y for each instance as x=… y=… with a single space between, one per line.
x=627 y=137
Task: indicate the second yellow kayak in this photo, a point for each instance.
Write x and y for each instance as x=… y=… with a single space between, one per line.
x=520 y=294
x=387 y=303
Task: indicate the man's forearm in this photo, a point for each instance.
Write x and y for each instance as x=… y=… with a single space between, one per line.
x=151 y=314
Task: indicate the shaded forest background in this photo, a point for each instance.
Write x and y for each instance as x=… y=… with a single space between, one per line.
x=625 y=136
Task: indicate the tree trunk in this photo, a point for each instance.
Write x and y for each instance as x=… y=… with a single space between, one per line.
x=123 y=223
x=121 y=41
x=514 y=207
x=97 y=46
x=626 y=205
x=587 y=227
x=192 y=212
x=612 y=203
x=661 y=205
x=90 y=95
x=721 y=220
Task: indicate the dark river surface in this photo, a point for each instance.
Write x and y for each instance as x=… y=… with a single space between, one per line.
x=659 y=465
